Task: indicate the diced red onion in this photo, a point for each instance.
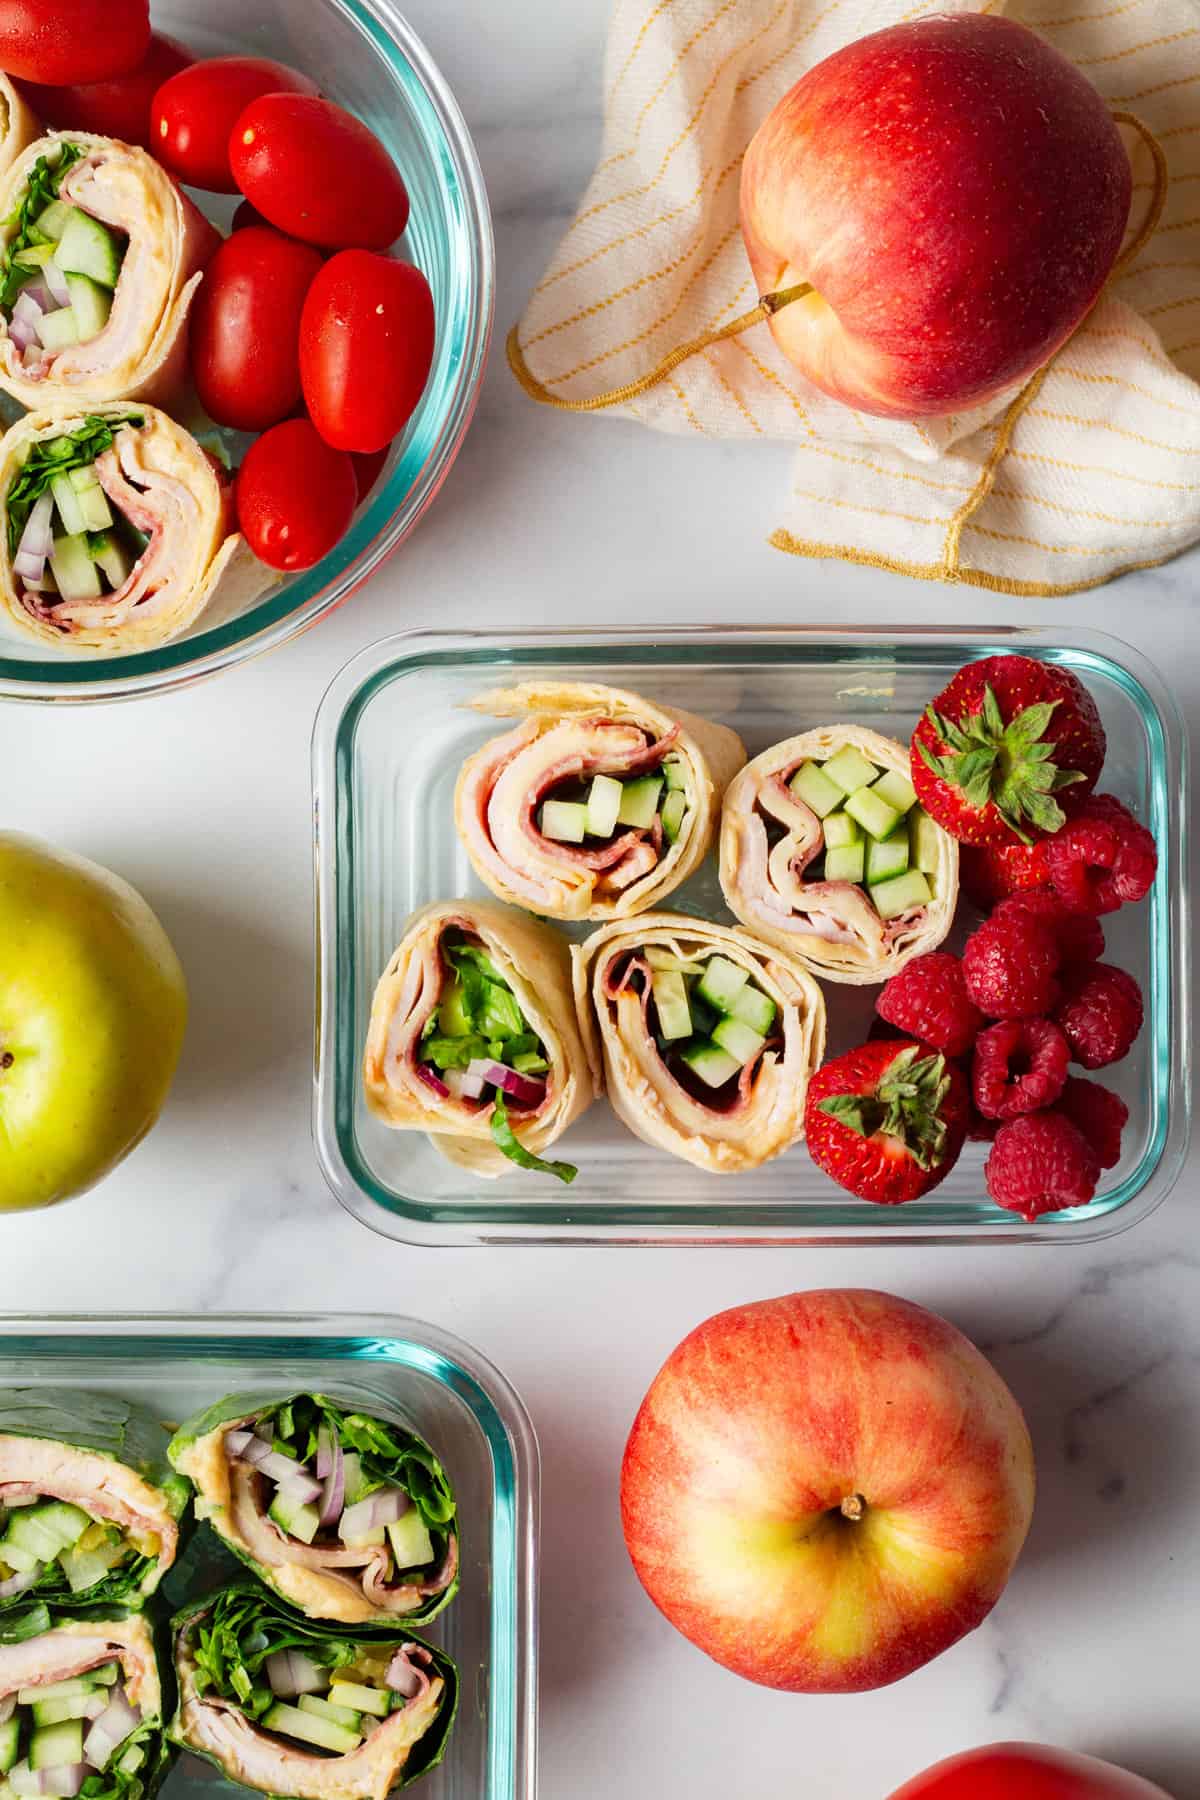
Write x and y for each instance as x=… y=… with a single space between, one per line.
x=236 y=1442
x=333 y=1496
x=383 y=1508
x=522 y=1087
x=56 y=281
x=432 y=1079
x=16 y=1584
x=28 y=307
x=280 y=1467
x=37 y=539
x=256 y=1451
x=65 y=1780
x=472 y=1086
x=112 y=1728
x=22 y=333
x=8 y=1707
x=291 y=1672
x=325 y=1442
x=302 y=1488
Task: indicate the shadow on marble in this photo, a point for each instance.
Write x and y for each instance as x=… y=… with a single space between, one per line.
x=1175 y=1768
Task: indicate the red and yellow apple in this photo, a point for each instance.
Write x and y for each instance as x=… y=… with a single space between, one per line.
x=1026 y=1772
x=955 y=191
x=824 y=1491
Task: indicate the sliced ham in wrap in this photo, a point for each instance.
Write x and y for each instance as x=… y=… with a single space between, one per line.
x=704 y=1038
x=312 y=1711
x=118 y=531
x=773 y=852
x=543 y=832
x=108 y=254
x=102 y=1710
x=347 y=1516
x=89 y=1505
x=478 y=996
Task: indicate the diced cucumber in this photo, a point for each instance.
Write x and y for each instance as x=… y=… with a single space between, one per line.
x=411 y=1543
x=896 y=790
x=91 y=304
x=721 y=981
x=846 y=862
x=452 y=1019
x=530 y=1062
x=849 y=769
x=674 y=812
x=369 y=1538
x=671 y=1004
x=297 y=1521
x=67 y=1522
x=754 y=1008
x=52 y=220
x=73 y=569
x=603 y=805
x=840 y=830
x=132 y=1760
x=10 y=1733
x=639 y=801
x=58 y=330
x=887 y=857
x=352 y=1470
x=345 y=1716
x=673 y=772
x=815 y=789
x=107 y=1675
x=925 y=841
x=17 y=1558
x=308 y=1729
x=55 y=1746
x=75 y=1706
x=903 y=894
x=81 y=479
x=57 y=1690
x=361 y=1699
x=876 y=817
x=87 y=247
x=34 y=256
x=666 y=959
x=713 y=1065
x=84 y=1568
x=564 y=820
x=70 y=509
x=27 y=1532
x=742 y=1043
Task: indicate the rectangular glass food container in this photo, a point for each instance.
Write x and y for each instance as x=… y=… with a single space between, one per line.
x=397 y=1367
x=389 y=740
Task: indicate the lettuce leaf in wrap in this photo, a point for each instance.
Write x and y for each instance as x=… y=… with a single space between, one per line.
x=89 y=1504
x=346 y=1515
x=249 y=1670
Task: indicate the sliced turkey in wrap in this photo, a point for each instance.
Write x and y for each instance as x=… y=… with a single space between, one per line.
x=671 y=1079
x=316 y=1711
x=108 y=254
x=18 y=126
x=109 y=1721
x=118 y=531
x=89 y=1505
x=477 y=996
x=610 y=864
x=772 y=841
x=347 y=1516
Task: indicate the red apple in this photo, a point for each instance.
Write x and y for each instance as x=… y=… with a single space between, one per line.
x=822 y=1492
x=1026 y=1772
x=955 y=191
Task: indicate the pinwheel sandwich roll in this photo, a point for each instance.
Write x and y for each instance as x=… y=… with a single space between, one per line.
x=18 y=126
x=89 y=1504
x=118 y=531
x=598 y=804
x=704 y=1038
x=320 y=1712
x=81 y=1710
x=100 y=257
x=473 y=1038
x=345 y=1515
x=824 y=852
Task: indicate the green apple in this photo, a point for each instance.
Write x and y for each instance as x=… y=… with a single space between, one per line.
x=92 y=1012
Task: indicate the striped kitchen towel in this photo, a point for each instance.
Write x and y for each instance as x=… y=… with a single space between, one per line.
x=1094 y=473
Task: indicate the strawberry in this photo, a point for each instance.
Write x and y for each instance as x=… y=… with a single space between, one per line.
x=887 y=1120
x=1000 y=743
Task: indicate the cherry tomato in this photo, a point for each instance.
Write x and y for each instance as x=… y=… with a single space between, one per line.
x=318 y=173
x=1026 y=1772
x=368 y=466
x=60 y=42
x=245 y=331
x=366 y=348
x=247 y=215
x=295 y=496
x=118 y=107
x=194 y=113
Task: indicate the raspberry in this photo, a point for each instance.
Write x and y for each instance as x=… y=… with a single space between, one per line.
x=1040 y=1163
x=1100 y=1114
x=1102 y=858
x=1020 y=1065
x=990 y=872
x=1010 y=965
x=1080 y=938
x=979 y=1129
x=1101 y=1012
x=928 y=1000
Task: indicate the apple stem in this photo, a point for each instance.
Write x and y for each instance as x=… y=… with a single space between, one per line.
x=773 y=303
x=853 y=1507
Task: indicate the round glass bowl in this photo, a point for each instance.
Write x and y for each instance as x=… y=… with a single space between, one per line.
x=365 y=56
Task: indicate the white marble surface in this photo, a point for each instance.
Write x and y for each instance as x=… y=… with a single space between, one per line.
x=203 y=800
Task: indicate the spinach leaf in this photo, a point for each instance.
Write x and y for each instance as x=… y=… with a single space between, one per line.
x=234 y=1642
x=49 y=457
x=507 y=1141
x=45 y=179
